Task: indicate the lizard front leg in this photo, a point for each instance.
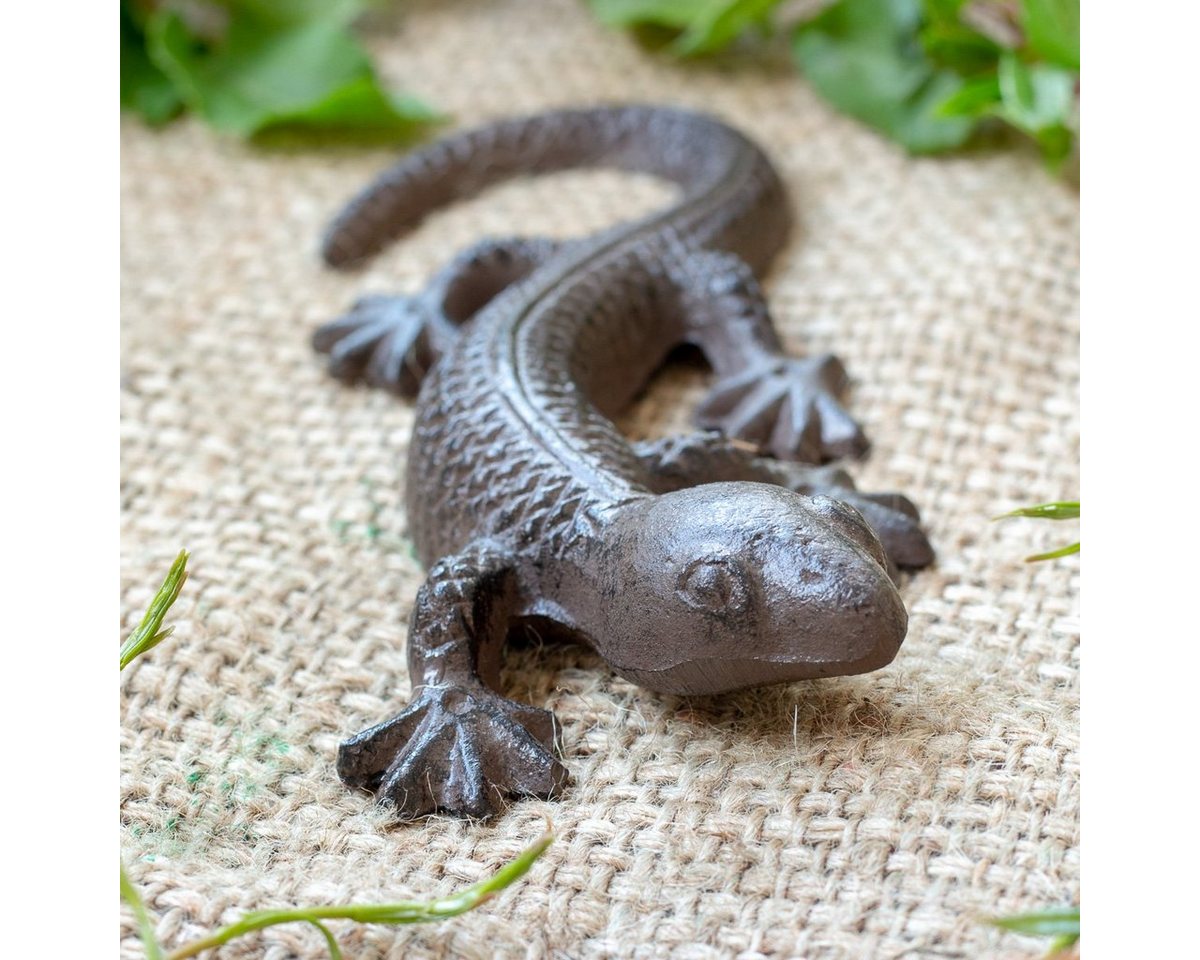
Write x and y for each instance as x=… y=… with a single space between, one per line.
x=459 y=747
x=786 y=406
x=677 y=462
x=393 y=341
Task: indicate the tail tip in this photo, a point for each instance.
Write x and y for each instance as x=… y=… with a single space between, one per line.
x=337 y=252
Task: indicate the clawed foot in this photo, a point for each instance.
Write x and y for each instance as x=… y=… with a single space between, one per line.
x=383 y=340
x=455 y=750
x=892 y=516
x=788 y=408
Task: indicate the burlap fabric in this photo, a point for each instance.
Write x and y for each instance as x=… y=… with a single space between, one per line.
x=863 y=817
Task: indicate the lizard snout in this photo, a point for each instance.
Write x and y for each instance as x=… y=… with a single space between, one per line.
x=830 y=606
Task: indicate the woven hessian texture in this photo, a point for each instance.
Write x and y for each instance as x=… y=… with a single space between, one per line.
x=856 y=817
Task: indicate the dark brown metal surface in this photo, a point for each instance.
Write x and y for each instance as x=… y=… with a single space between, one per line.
x=698 y=564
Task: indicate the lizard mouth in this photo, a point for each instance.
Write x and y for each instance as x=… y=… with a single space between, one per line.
x=709 y=675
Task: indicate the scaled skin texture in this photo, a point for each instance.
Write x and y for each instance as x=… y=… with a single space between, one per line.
x=697 y=564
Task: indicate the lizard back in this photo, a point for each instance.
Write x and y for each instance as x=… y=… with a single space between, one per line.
x=514 y=436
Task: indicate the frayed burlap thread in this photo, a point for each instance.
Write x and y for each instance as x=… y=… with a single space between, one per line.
x=875 y=816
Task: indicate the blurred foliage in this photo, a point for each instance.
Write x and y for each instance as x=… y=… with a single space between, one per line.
x=866 y=58
x=699 y=26
x=929 y=74
x=252 y=66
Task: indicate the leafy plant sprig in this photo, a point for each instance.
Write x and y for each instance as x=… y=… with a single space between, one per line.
x=1062 y=925
x=1060 y=510
x=253 y=67
x=148 y=634
x=404 y=911
x=929 y=74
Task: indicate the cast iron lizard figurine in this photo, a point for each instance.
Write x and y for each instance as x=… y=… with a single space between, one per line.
x=692 y=565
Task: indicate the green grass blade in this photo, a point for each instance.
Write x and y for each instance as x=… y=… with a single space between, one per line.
x=1060 y=510
x=1054 y=554
x=405 y=911
x=149 y=633
x=1044 y=923
x=129 y=893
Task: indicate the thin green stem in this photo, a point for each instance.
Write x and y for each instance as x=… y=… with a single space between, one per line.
x=406 y=911
x=335 y=952
x=1054 y=554
x=129 y=893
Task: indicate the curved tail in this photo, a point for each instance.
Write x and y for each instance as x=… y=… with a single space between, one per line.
x=690 y=149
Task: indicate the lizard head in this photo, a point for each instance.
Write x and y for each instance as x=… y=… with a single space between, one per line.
x=729 y=585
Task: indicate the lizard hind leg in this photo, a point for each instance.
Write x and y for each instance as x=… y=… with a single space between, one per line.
x=393 y=341
x=785 y=406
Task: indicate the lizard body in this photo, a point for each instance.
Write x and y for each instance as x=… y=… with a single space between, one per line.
x=692 y=565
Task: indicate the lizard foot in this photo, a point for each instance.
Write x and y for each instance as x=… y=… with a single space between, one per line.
x=455 y=750
x=383 y=340
x=892 y=516
x=787 y=407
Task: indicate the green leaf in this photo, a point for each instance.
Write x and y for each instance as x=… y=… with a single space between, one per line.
x=1059 y=510
x=959 y=49
x=949 y=42
x=704 y=26
x=864 y=57
x=975 y=98
x=665 y=13
x=721 y=24
x=266 y=73
x=1034 y=97
x=283 y=13
x=144 y=88
x=1052 y=30
x=1039 y=100
x=359 y=106
x=149 y=633
x=1045 y=923
x=1056 y=142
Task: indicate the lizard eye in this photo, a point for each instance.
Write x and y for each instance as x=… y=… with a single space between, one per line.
x=714 y=586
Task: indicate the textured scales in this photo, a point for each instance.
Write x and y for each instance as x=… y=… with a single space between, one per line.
x=697 y=564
